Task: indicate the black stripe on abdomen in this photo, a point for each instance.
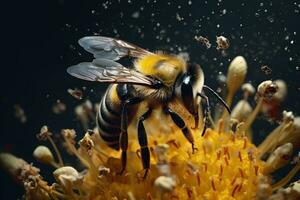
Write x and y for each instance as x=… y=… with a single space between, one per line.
x=108 y=134
x=109 y=117
x=106 y=127
x=109 y=121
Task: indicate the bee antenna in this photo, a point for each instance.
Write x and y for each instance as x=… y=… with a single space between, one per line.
x=218 y=97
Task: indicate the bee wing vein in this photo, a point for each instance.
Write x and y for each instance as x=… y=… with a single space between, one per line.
x=110 y=48
x=108 y=71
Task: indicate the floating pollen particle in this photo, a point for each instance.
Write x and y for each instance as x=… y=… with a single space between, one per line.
x=222 y=43
x=203 y=41
x=59 y=107
x=267 y=70
x=20 y=113
x=76 y=93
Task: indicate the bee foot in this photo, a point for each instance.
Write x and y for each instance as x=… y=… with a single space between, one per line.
x=194 y=149
x=145 y=174
x=141 y=177
x=121 y=172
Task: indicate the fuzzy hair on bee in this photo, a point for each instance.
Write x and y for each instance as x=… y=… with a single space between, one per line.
x=162 y=67
x=157 y=79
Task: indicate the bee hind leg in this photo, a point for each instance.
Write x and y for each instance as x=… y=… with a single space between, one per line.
x=123 y=140
x=142 y=137
x=206 y=112
x=181 y=124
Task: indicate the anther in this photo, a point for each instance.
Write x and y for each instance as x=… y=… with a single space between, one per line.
x=218 y=154
x=174 y=197
x=233 y=180
x=221 y=171
x=188 y=172
x=226 y=152
x=240 y=187
x=240 y=156
x=226 y=160
x=189 y=192
x=234 y=190
x=204 y=150
x=205 y=166
x=256 y=169
x=212 y=183
x=241 y=173
x=250 y=155
x=245 y=143
x=149 y=197
x=198 y=179
x=173 y=142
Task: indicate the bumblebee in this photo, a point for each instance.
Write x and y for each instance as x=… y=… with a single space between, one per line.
x=156 y=79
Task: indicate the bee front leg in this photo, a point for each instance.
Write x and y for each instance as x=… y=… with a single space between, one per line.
x=123 y=140
x=206 y=112
x=181 y=124
x=142 y=137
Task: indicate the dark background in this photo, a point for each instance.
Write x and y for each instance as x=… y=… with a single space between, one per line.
x=39 y=41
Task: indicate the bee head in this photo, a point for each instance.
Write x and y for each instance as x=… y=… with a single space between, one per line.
x=188 y=85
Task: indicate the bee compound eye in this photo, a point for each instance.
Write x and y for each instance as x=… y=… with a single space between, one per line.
x=157 y=84
x=187 y=93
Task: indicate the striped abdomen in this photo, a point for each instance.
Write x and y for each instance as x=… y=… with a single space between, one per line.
x=109 y=116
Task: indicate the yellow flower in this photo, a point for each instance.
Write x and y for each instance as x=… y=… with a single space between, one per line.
x=226 y=164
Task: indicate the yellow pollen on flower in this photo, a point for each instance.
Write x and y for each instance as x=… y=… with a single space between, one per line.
x=225 y=166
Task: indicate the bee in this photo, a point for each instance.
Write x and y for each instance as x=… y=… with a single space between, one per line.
x=155 y=78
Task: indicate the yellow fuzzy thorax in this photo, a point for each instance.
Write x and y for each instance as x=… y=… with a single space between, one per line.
x=150 y=65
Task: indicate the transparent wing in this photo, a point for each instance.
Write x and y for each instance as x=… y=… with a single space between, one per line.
x=110 y=48
x=108 y=71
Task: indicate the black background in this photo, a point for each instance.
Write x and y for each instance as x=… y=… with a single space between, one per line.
x=39 y=41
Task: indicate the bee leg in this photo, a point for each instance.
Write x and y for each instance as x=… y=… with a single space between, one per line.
x=123 y=140
x=196 y=119
x=206 y=112
x=196 y=116
x=142 y=137
x=181 y=124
